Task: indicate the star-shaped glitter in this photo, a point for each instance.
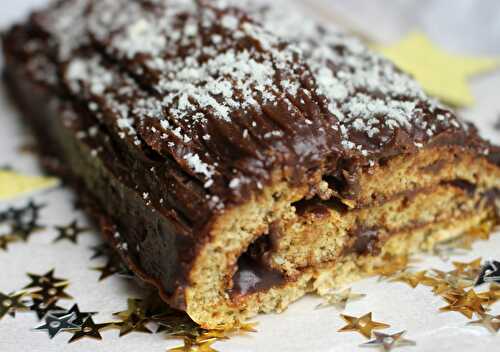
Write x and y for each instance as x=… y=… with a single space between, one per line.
x=80 y=317
x=132 y=319
x=412 y=279
x=491 y=296
x=88 y=329
x=49 y=293
x=109 y=269
x=42 y=308
x=392 y=266
x=466 y=304
x=490 y=272
x=468 y=271
x=70 y=232
x=442 y=75
x=19 y=223
x=10 y=304
x=54 y=325
x=364 y=324
x=388 y=342
x=340 y=299
x=24 y=221
x=47 y=279
x=193 y=346
x=490 y=322
x=444 y=283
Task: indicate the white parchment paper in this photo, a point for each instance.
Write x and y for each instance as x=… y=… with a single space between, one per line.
x=462 y=25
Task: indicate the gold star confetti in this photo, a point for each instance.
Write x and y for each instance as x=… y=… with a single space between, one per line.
x=10 y=304
x=442 y=74
x=70 y=232
x=364 y=325
x=13 y=184
x=178 y=325
x=468 y=271
x=18 y=224
x=387 y=343
x=490 y=322
x=466 y=304
x=491 y=296
x=88 y=329
x=340 y=299
x=392 y=266
x=412 y=279
x=193 y=346
x=445 y=283
x=132 y=319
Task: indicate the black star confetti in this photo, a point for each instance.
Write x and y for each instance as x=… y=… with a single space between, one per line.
x=50 y=293
x=178 y=326
x=19 y=223
x=10 y=304
x=47 y=279
x=490 y=272
x=388 y=342
x=54 y=325
x=26 y=220
x=111 y=268
x=80 y=317
x=41 y=308
x=88 y=329
x=70 y=232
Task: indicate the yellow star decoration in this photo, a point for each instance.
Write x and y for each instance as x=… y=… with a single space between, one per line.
x=13 y=184
x=364 y=325
x=441 y=74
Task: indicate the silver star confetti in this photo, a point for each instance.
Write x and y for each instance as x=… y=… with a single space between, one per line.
x=387 y=342
x=54 y=325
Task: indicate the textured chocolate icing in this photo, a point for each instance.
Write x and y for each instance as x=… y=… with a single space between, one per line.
x=226 y=103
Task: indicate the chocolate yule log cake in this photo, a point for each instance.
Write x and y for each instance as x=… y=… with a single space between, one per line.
x=237 y=164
